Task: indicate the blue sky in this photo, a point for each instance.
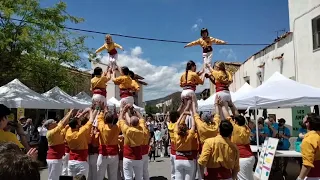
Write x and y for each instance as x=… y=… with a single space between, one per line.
x=245 y=21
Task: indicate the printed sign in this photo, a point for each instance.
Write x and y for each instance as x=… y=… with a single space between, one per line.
x=266 y=158
x=298 y=114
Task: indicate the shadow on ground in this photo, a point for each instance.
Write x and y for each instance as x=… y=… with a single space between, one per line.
x=158 y=178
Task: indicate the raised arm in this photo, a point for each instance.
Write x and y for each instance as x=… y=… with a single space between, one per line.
x=193 y=43
x=217 y=41
x=118 y=46
x=100 y=49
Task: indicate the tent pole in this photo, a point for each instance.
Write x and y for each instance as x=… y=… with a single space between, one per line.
x=47 y=112
x=257 y=128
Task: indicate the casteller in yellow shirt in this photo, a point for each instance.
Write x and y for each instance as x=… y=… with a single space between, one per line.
x=10 y=137
x=191 y=80
x=220 y=155
x=110 y=46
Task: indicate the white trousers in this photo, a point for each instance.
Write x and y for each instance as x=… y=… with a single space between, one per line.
x=77 y=168
x=246 y=168
x=109 y=164
x=145 y=159
x=312 y=178
x=65 y=160
x=207 y=59
x=225 y=96
x=184 y=169
x=172 y=160
x=127 y=100
x=98 y=98
x=188 y=93
x=113 y=61
x=54 y=168
x=132 y=166
x=120 y=170
x=93 y=167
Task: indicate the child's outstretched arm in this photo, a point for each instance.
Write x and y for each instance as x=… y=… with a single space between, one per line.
x=100 y=49
x=193 y=43
x=118 y=46
x=217 y=41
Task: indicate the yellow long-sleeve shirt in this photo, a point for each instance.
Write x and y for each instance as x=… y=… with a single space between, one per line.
x=124 y=82
x=108 y=137
x=9 y=137
x=56 y=135
x=108 y=47
x=78 y=141
x=219 y=152
x=99 y=82
x=135 y=86
x=310 y=151
x=206 y=130
x=133 y=139
x=222 y=77
x=241 y=138
x=205 y=42
x=172 y=139
x=55 y=139
x=192 y=79
x=184 y=143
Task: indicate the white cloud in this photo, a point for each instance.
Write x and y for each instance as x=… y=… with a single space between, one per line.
x=196 y=26
x=137 y=51
x=162 y=80
x=229 y=54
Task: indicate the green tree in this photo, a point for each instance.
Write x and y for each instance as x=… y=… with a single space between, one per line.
x=34 y=48
x=151 y=109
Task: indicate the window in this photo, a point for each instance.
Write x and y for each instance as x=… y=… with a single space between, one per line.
x=259 y=78
x=316 y=32
x=247 y=79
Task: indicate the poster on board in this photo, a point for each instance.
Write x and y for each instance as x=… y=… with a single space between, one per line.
x=266 y=158
x=298 y=114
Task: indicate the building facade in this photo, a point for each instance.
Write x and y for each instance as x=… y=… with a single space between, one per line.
x=295 y=54
x=113 y=90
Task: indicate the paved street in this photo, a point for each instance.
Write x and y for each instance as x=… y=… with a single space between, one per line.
x=159 y=170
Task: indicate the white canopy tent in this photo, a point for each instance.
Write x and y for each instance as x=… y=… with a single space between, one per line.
x=57 y=94
x=114 y=101
x=83 y=96
x=208 y=104
x=280 y=91
x=17 y=95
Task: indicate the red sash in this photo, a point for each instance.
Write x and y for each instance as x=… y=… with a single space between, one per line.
x=145 y=149
x=55 y=152
x=66 y=148
x=221 y=87
x=79 y=155
x=102 y=92
x=125 y=93
x=245 y=151
x=133 y=153
x=192 y=87
x=173 y=149
x=109 y=150
x=315 y=172
x=218 y=173
x=184 y=155
x=113 y=52
x=92 y=149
